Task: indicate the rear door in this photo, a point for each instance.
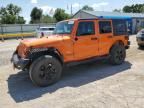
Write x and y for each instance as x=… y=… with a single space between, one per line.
x=105 y=34
x=86 y=44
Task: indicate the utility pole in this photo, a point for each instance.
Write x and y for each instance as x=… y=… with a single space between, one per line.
x=71 y=10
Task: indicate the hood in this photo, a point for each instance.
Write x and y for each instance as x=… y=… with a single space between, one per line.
x=44 y=41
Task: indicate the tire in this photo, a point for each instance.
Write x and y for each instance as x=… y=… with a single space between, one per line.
x=45 y=70
x=117 y=54
x=141 y=46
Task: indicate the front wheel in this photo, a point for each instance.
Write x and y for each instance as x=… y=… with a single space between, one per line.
x=45 y=70
x=117 y=54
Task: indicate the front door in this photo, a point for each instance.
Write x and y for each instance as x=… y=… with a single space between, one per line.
x=86 y=44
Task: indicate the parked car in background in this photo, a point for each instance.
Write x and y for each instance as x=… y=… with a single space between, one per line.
x=140 y=38
x=44 y=31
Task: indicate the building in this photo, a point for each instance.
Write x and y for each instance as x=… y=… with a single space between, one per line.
x=135 y=20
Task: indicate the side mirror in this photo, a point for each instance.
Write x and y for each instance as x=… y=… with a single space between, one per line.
x=76 y=38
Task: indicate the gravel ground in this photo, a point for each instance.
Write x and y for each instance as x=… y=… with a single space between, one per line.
x=93 y=85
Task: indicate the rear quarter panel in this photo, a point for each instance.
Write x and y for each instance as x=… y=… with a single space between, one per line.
x=120 y=38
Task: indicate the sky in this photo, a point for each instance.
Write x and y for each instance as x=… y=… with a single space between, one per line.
x=48 y=6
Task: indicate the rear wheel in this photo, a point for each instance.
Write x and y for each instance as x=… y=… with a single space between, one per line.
x=117 y=54
x=45 y=71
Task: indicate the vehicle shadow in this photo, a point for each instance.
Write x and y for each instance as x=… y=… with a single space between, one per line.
x=21 y=88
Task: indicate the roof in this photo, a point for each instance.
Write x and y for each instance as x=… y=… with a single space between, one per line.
x=113 y=14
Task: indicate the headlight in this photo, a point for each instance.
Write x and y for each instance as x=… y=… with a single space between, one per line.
x=139 y=34
x=22 y=50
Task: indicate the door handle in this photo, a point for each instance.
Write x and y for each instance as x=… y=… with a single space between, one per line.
x=95 y=38
x=110 y=36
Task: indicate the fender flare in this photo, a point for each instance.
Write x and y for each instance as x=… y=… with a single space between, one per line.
x=118 y=42
x=37 y=52
x=57 y=54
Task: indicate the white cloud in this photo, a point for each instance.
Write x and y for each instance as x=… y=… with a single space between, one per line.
x=27 y=20
x=34 y=1
x=99 y=5
x=48 y=10
x=76 y=5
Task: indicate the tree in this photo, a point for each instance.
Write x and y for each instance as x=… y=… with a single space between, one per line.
x=20 y=20
x=60 y=15
x=36 y=15
x=13 y=9
x=87 y=8
x=8 y=19
x=10 y=14
x=47 y=19
x=0 y=20
x=137 y=8
x=127 y=9
x=117 y=10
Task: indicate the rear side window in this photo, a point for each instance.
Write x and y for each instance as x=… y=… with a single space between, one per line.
x=119 y=27
x=44 y=29
x=86 y=28
x=47 y=29
x=105 y=27
x=51 y=29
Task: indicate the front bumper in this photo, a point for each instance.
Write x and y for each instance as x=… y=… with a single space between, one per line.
x=19 y=63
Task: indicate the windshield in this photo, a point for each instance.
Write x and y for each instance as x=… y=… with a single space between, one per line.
x=64 y=27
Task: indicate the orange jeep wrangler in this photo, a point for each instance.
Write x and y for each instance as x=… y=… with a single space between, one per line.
x=73 y=42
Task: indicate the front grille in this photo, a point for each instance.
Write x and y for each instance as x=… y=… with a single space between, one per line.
x=35 y=50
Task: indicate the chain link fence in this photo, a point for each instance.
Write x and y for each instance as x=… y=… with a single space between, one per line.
x=20 y=30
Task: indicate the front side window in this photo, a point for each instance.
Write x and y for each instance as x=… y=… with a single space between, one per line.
x=105 y=27
x=86 y=28
x=64 y=27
